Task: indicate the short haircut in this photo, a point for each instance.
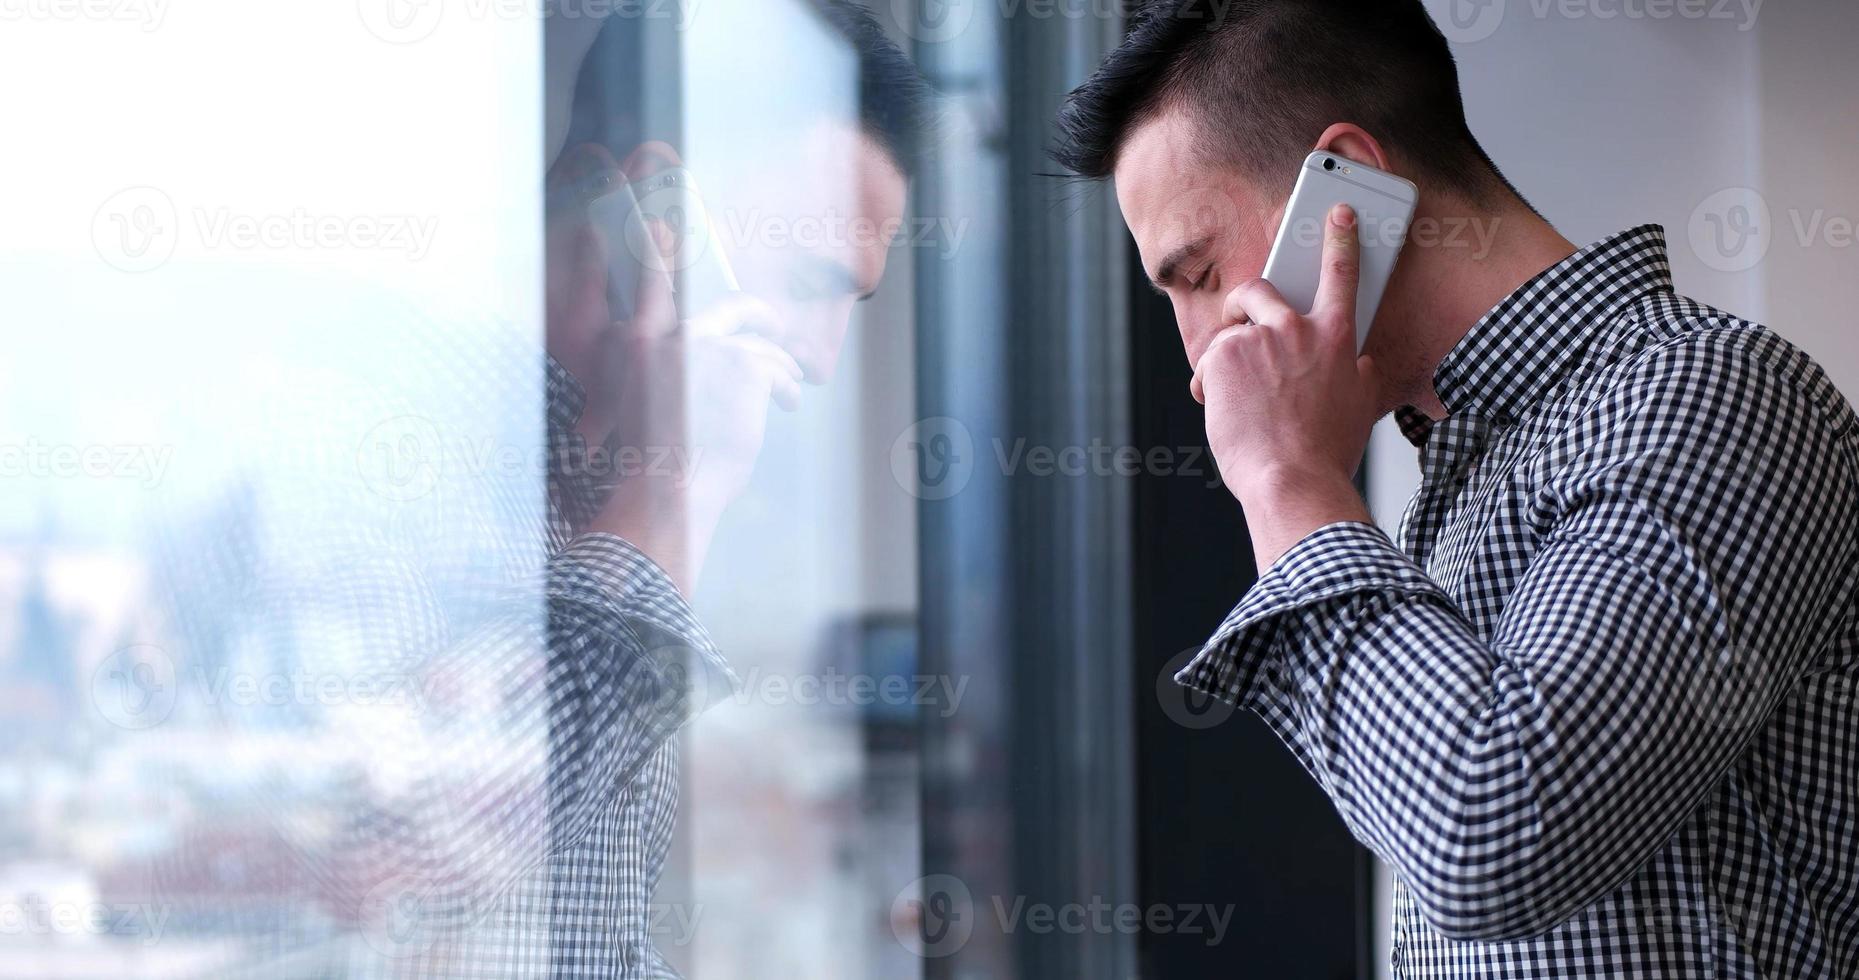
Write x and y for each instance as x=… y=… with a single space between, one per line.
x=896 y=106
x=1262 y=79
x=895 y=103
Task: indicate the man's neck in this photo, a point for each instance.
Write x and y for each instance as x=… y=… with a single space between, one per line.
x=1446 y=293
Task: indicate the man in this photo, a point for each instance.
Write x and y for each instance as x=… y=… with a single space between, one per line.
x=629 y=546
x=1596 y=710
x=513 y=819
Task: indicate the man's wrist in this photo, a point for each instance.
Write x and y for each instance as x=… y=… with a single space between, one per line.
x=672 y=526
x=1273 y=482
x=1283 y=505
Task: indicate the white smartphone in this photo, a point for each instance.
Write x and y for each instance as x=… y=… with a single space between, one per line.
x=1384 y=206
x=700 y=271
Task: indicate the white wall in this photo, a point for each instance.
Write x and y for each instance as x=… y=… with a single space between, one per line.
x=1605 y=120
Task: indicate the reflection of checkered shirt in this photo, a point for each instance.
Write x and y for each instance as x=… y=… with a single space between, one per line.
x=611 y=611
x=1597 y=710
x=529 y=800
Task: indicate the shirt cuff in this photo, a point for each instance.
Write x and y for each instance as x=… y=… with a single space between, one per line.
x=626 y=594
x=1332 y=562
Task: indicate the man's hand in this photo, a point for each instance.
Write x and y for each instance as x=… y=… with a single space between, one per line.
x=696 y=393
x=1289 y=403
x=684 y=394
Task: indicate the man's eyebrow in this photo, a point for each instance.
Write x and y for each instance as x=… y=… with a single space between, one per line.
x=1165 y=272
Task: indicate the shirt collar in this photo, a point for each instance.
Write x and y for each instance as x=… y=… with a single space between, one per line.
x=1539 y=334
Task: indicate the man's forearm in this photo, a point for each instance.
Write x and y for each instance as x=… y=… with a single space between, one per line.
x=1283 y=507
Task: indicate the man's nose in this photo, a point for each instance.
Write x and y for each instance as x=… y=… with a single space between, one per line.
x=814 y=335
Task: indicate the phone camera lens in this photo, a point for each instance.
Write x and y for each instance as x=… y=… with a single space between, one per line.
x=1329 y=164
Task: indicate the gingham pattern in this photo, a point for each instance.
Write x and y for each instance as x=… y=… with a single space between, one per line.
x=526 y=831
x=1596 y=711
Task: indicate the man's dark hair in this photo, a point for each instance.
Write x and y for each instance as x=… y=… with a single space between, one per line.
x=894 y=100
x=896 y=105
x=1262 y=79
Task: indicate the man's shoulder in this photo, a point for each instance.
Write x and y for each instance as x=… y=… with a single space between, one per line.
x=1683 y=363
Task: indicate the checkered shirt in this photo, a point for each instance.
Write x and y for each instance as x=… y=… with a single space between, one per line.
x=514 y=819
x=1596 y=710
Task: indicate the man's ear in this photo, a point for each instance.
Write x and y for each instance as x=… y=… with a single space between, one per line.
x=1354 y=142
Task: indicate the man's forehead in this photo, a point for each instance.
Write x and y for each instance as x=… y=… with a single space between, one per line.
x=1155 y=175
x=826 y=207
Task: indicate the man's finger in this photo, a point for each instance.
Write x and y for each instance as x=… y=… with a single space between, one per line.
x=1258 y=301
x=776 y=367
x=732 y=314
x=655 y=311
x=1195 y=386
x=1342 y=257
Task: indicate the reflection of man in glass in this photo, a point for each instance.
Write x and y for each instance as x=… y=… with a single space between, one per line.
x=671 y=397
x=504 y=806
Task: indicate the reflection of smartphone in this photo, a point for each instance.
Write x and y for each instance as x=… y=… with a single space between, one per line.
x=1383 y=203
x=700 y=270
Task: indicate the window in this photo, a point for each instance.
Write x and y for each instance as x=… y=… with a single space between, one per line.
x=313 y=665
